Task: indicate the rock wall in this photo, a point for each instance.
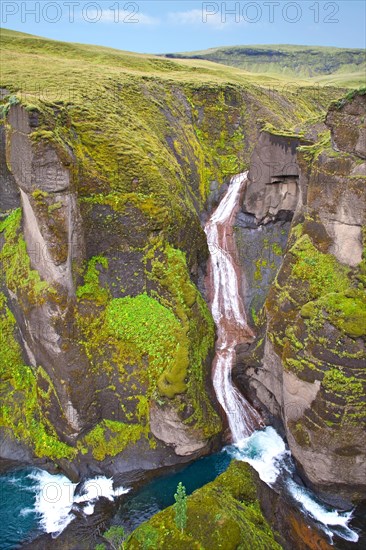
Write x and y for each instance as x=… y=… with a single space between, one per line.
x=68 y=264
x=262 y=227
x=107 y=338
x=306 y=368
x=102 y=265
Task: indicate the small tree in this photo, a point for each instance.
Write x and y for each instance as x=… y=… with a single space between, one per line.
x=180 y=507
x=116 y=537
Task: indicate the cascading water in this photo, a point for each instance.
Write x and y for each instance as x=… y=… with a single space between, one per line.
x=228 y=312
x=265 y=450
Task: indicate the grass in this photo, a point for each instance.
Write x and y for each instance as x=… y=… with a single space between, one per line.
x=340 y=66
x=75 y=61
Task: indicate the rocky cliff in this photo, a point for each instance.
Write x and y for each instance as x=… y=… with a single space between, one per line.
x=306 y=368
x=106 y=338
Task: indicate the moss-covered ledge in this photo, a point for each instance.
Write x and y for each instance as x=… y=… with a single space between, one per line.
x=223 y=514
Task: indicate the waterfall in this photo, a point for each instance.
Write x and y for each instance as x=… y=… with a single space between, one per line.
x=265 y=450
x=228 y=311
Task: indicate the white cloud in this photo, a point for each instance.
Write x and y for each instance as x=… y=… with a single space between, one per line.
x=198 y=17
x=106 y=15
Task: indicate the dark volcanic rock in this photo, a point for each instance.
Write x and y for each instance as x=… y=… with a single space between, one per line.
x=9 y=192
x=346 y=120
x=307 y=367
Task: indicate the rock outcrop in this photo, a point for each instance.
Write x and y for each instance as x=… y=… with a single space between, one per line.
x=306 y=367
x=225 y=511
x=262 y=227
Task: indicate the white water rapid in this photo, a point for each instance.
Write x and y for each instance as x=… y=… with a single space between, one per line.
x=56 y=500
x=264 y=449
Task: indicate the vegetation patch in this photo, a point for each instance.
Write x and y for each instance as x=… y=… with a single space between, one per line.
x=321 y=271
x=223 y=514
x=91 y=289
x=110 y=438
x=20 y=278
x=155 y=331
x=339 y=384
x=349 y=97
x=21 y=412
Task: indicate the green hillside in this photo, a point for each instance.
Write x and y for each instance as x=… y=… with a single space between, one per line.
x=303 y=61
x=238 y=64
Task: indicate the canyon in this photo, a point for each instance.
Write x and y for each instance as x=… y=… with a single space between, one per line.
x=107 y=337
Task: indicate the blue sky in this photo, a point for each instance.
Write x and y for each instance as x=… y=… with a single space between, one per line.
x=168 y=26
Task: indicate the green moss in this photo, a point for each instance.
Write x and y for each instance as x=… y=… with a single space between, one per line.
x=155 y=331
x=285 y=132
x=312 y=152
x=7 y=102
x=321 y=271
x=308 y=310
x=222 y=514
x=260 y=263
x=110 y=438
x=55 y=206
x=39 y=195
x=150 y=205
x=277 y=249
x=345 y=310
x=21 y=412
x=20 y=278
x=348 y=387
x=169 y=268
x=91 y=289
x=348 y=313
x=349 y=97
x=317 y=290
x=334 y=380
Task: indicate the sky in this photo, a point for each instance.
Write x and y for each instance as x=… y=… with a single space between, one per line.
x=164 y=26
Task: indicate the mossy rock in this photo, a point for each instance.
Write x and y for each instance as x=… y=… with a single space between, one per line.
x=223 y=514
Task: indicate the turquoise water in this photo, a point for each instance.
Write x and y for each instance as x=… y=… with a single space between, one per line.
x=159 y=493
x=26 y=513
x=19 y=492
x=18 y=517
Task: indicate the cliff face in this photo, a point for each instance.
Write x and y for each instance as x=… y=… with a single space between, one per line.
x=307 y=365
x=106 y=338
x=115 y=331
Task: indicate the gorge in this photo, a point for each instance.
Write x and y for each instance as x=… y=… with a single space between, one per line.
x=107 y=340
x=56 y=497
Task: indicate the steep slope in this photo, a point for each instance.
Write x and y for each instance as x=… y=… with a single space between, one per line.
x=107 y=339
x=307 y=366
